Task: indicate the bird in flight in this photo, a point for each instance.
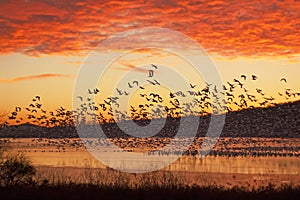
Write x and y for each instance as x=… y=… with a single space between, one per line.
x=192 y=86
x=238 y=82
x=129 y=85
x=259 y=91
x=254 y=77
x=79 y=97
x=154 y=83
x=119 y=91
x=151 y=72
x=134 y=82
x=95 y=91
x=231 y=86
x=154 y=66
x=172 y=95
x=283 y=79
x=133 y=109
x=207 y=84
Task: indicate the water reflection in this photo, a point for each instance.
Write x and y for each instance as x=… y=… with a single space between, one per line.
x=246 y=165
x=48 y=154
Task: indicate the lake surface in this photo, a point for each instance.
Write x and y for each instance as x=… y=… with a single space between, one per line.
x=59 y=153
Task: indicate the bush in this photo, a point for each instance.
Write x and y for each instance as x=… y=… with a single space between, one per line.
x=16 y=170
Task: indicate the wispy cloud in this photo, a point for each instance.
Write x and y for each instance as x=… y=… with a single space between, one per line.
x=228 y=28
x=34 y=77
x=129 y=66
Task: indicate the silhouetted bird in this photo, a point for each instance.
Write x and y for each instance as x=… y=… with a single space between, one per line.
x=259 y=91
x=96 y=91
x=238 y=82
x=136 y=83
x=79 y=97
x=132 y=109
x=154 y=83
x=230 y=85
x=208 y=84
x=119 y=92
x=18 y=109
x=172 y=95
x=154 y=66
x=14 y=113
x=254 y=77
x=129 y=85
x=283 y=79
x=150 y=73
x=192 y=86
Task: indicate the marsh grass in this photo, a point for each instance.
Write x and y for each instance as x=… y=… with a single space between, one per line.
x=84 y=191
x=92 y=183
x=108 y=178
x=111 y=178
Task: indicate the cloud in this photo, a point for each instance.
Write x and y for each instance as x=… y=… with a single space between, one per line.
x=227 y=28
x=129 y=66
x=34 y=77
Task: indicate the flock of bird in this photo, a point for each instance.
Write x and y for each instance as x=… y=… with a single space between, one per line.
x=205 y=100
x=228 y=147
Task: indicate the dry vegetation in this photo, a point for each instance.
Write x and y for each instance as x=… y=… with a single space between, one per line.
x=74 y=183
x=163 y=179
x=29 y=182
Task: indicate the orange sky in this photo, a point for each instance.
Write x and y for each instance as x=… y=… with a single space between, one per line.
x=44 y=42
x=231 y=28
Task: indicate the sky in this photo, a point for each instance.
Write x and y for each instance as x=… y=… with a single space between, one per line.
x=44 y=43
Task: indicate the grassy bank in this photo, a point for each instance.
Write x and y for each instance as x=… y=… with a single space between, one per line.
x=85 y=191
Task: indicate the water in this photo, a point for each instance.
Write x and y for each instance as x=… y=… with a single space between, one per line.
x=59 y=153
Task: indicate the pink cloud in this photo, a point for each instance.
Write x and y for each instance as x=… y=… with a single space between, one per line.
x=33 y=77
x=228 y=28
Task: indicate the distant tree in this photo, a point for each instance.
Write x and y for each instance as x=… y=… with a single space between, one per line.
x=16 y=170
x=3 y=144
x=2 y=149
x=2 y=119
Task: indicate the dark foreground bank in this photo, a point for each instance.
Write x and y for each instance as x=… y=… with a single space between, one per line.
x=94 y=192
